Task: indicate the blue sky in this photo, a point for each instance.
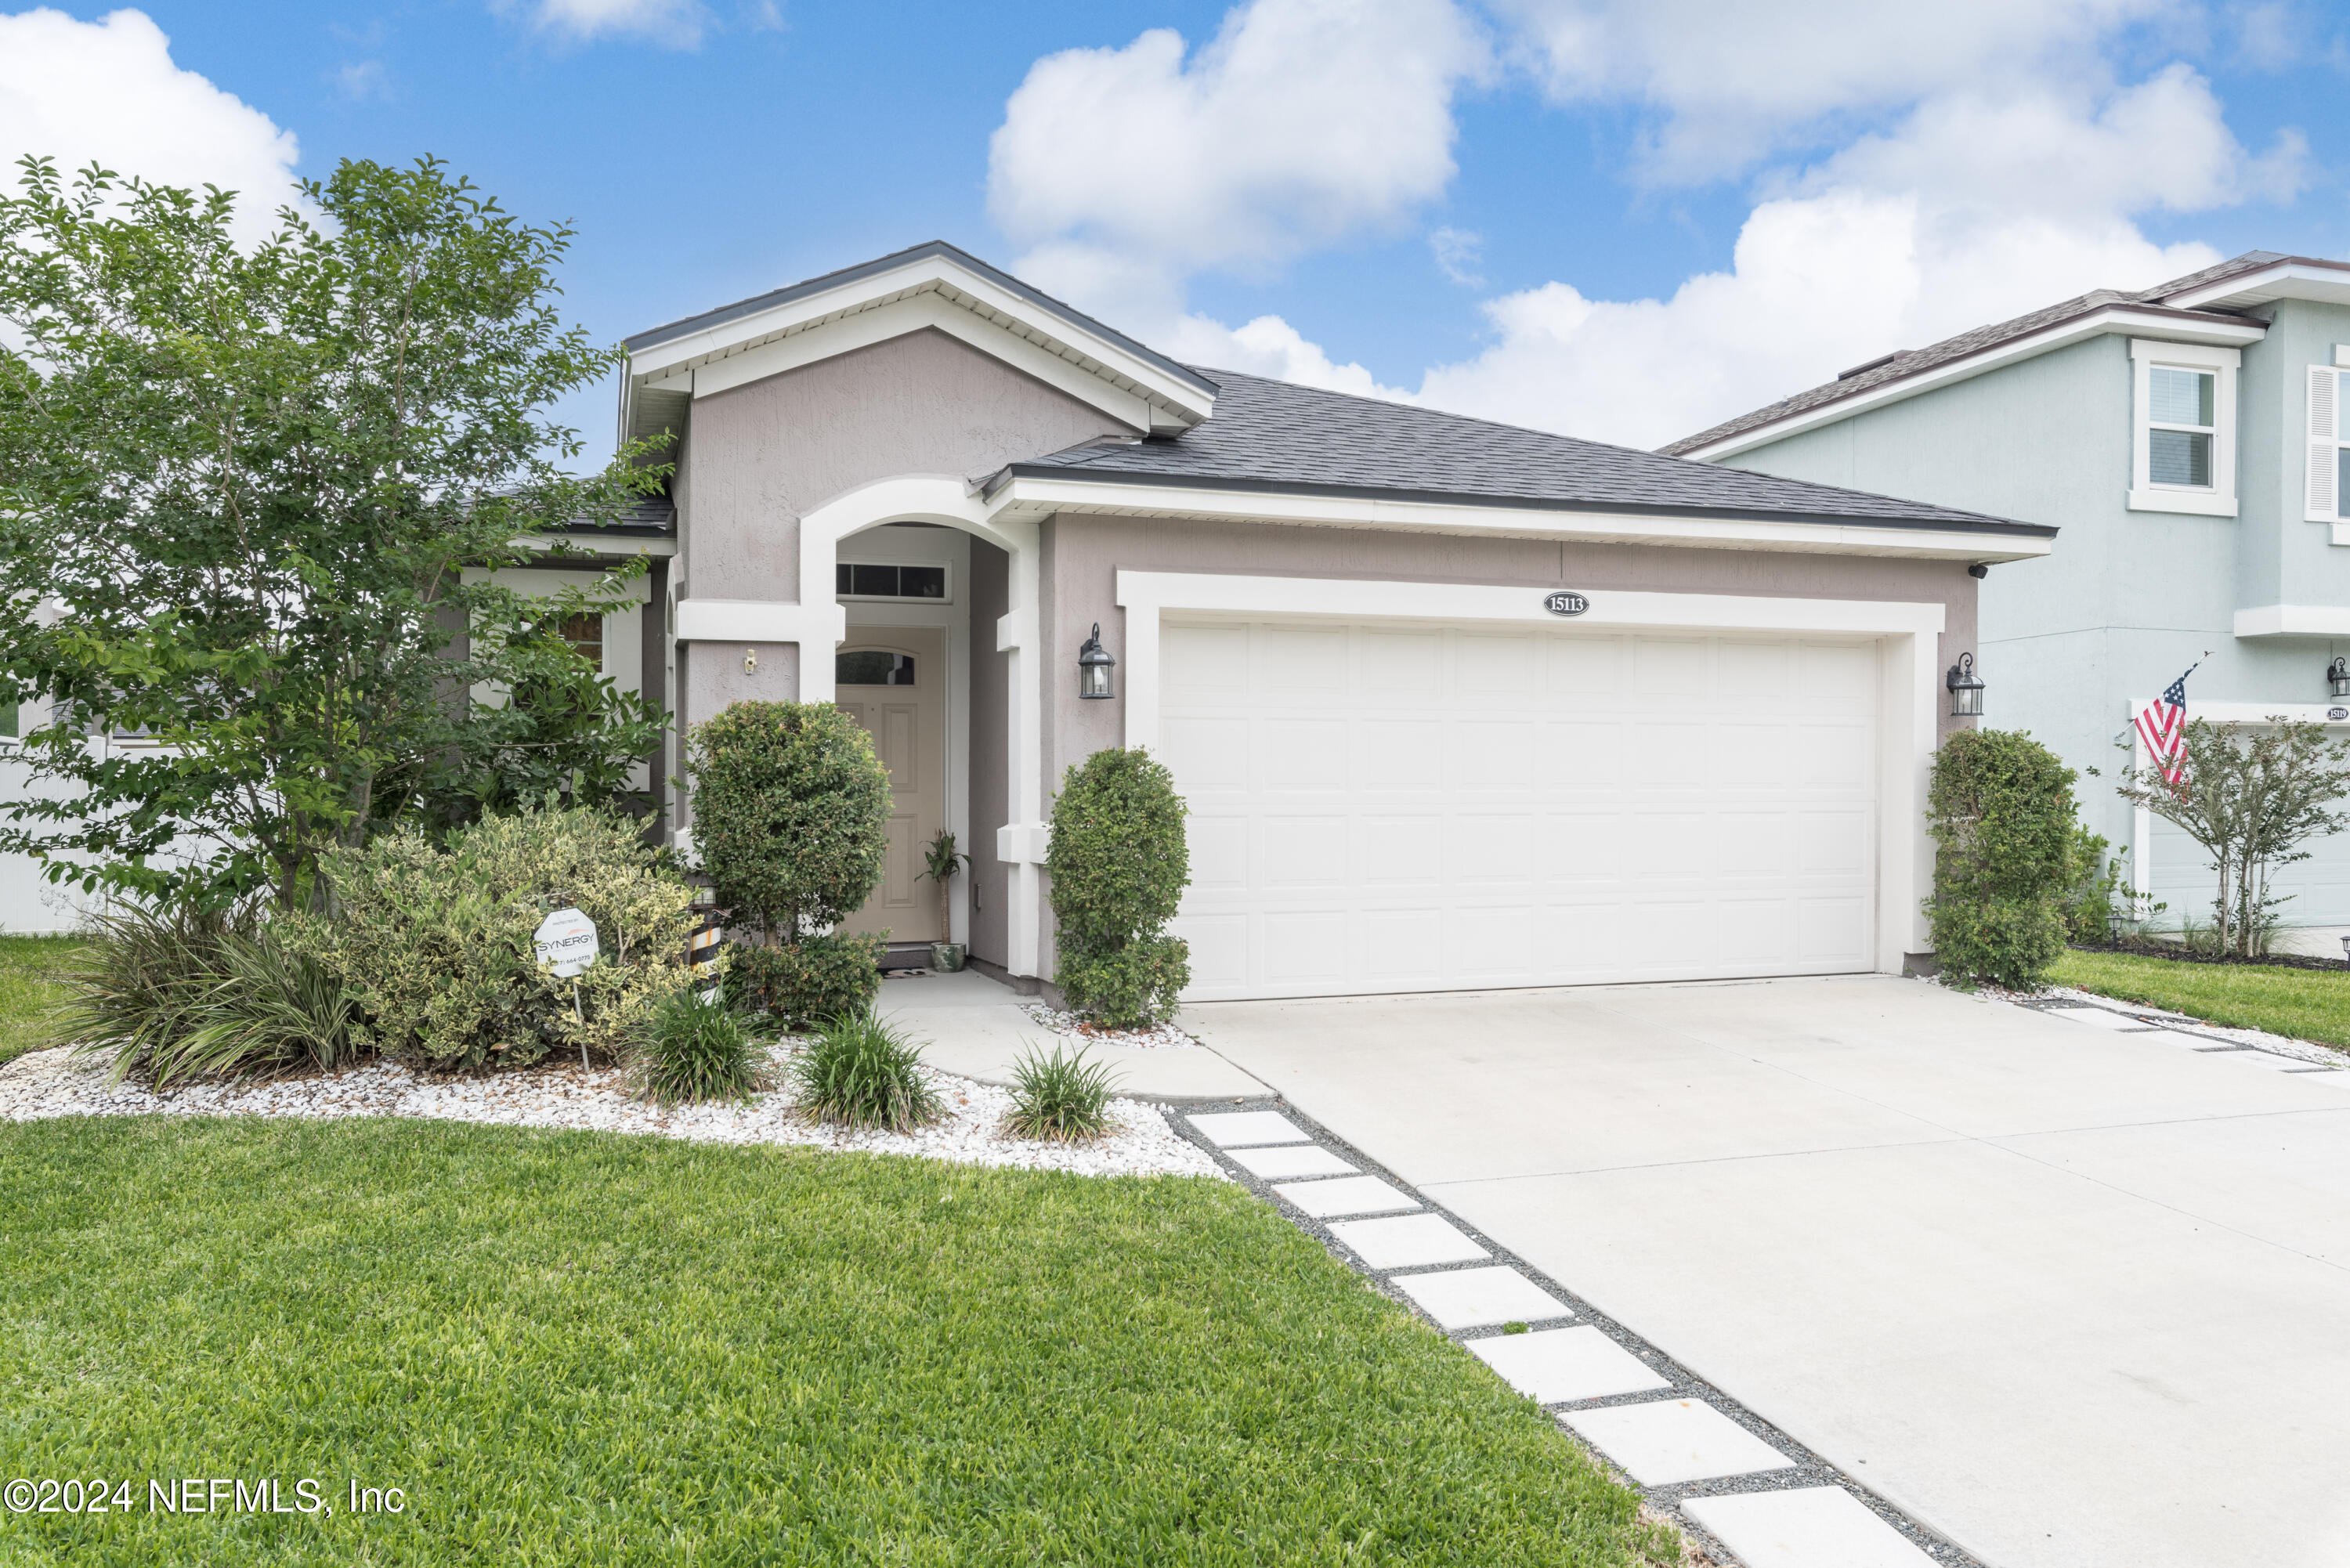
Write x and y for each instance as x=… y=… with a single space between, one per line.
x=1620 y=220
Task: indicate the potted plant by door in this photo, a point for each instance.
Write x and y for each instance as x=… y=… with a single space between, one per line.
x=942 y=861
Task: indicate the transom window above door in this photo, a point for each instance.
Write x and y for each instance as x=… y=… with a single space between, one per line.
x=882 y=580
x=872 y=667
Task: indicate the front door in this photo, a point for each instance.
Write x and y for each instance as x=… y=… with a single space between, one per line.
x=893 y=681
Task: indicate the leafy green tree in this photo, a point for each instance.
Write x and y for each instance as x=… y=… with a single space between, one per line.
x=248 y=499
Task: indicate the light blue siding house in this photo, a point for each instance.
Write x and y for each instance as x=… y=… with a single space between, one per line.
x=2189 y=441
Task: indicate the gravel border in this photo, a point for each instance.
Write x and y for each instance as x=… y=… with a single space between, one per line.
x=1069 y=1026
x=1809 y=1469
x=2223 y=1037
x=562 y=1095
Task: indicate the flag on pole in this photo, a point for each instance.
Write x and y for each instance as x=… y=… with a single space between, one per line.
x=2162 y=726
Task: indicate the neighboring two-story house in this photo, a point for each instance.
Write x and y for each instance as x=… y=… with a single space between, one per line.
x=2192 y=441
x=1454 y=704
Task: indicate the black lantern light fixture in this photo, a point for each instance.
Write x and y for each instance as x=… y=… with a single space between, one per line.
x=1966 y=689
x=2337 y=679
x=1094 y=665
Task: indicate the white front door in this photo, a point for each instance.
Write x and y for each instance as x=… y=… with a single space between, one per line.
x=1391 y=806
x=893 y=681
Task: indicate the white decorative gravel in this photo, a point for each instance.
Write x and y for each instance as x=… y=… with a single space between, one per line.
x=2282 y=1046
x=556 y=1094
x=1069 y=1026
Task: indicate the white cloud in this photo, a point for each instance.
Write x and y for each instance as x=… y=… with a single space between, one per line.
x=1731 y=81
x=1303 y=123
x=107 y=92
x=1458 y=253
x=675 y=23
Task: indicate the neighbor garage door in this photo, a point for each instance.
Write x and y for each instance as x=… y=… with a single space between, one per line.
x=1389 y=806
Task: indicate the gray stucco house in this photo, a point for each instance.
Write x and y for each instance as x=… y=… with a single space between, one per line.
x=1454 y=704
x=2189 y=439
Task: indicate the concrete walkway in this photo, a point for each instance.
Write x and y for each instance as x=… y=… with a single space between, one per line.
x=977 y=1027
x=2073 y=1297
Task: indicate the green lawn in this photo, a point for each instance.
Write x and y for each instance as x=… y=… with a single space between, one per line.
x=28 y=990
x=572 y=1347
x=2307 y=1004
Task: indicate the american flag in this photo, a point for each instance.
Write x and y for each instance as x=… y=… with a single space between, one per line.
x=2162 y=725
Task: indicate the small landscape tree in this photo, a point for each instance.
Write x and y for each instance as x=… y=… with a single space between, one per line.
x=1119 y=865
x=791 y=820
x=2001 y=810
x=2251 y=796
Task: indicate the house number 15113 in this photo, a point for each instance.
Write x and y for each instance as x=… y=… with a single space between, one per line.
x=1566 y=602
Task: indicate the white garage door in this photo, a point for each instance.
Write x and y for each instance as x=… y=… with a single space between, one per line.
x=1387 y=807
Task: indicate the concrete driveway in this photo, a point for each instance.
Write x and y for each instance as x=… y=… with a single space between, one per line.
x=2070 y=1297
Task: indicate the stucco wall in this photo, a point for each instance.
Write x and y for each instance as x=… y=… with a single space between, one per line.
x=990 y=581
x=1084 y=555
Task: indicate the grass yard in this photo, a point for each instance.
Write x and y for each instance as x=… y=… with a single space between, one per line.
x=2307 y=1004
x=28 y=990
x=584 y=1348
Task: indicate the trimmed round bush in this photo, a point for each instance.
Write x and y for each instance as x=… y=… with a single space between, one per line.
x=2001 y=812
x=860 y=1073
x=688 y=1050
x=1119 y=865
x=812 y=979
x=791 y=815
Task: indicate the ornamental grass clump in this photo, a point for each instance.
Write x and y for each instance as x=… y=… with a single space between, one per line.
x=1119 y=865
x=1059 y=1098
x=179 y=993
x=688 y=1051
x=863 y=1074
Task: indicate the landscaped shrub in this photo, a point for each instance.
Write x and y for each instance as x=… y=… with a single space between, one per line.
x=861 y=1073
x=180 y=992
x=814 y=979
x=688 y=1050
x=1059 y=1098
x=435 y=943
x=2001 y=812
x=1120 y=866
x=791 y=820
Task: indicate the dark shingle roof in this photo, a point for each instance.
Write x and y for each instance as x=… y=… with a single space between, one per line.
x=1912 y=361
x=1274 y=436
x=848 y=275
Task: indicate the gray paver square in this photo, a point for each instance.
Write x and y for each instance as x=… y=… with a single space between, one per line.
x=1809 y=1527
x=1408 y=1240
x=2097 y=1016
x=1354 y=1195
x=1556 y=1364
x=1238 y=1130
x=1676 y=1440
x=1282 y=1163
x=1481 y=1298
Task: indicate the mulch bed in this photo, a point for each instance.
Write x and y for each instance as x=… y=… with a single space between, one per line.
x=2141 y=948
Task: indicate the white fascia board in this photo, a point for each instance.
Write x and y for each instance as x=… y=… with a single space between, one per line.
x=978 y=298
x=915 y=313
x=2122 y=319
x=599 y=545
x=2293 y=620
x=1025 y=497
x=757 y=621
x=2284 y=280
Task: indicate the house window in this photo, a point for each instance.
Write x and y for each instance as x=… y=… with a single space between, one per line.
x=8 y=722
x=585 y=633
x=2328 y=498
x=2183 y=455
x=861 y=581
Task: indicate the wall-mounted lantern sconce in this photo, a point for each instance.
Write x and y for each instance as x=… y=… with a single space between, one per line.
x=2337 y=679
x=1094 y=665
x=1966 y=689
x=750 y=660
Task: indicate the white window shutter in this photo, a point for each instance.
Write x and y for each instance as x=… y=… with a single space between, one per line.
x=2324 y=387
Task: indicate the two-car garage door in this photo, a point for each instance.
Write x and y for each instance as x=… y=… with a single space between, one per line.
x=1387 y=806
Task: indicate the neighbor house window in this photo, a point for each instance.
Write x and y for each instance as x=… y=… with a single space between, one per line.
x=860 y=580
x=2328 y=497
x=2183 y=455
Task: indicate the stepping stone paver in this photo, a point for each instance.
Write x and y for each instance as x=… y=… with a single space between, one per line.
x=1556 y=1364
x=1675 y=1441
x=1239 y=1129
x=1480 y=1298
x=1406 y=1241
x=1354 y=1195
x=1280 y=1164
x=2099 y=1017
x=1807 y=1526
